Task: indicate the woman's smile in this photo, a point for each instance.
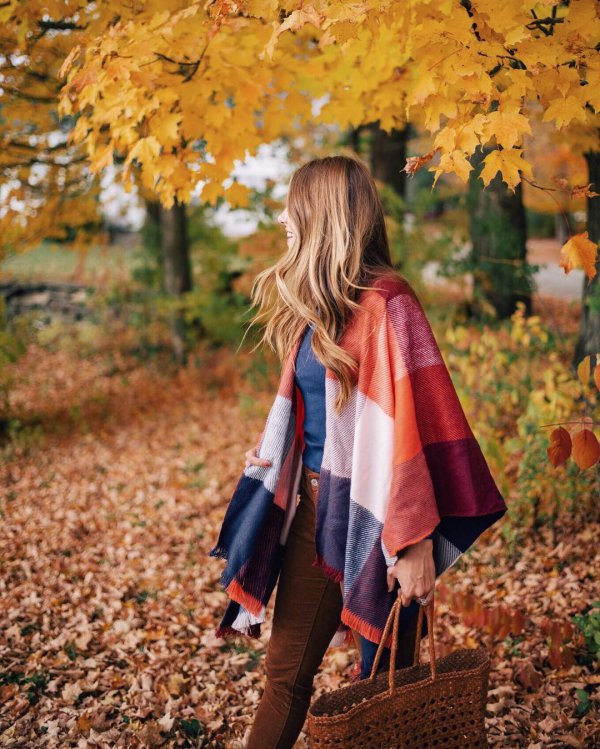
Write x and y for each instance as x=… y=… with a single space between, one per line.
x=284 y=220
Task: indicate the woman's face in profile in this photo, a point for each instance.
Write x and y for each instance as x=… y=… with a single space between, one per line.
x=283 y=220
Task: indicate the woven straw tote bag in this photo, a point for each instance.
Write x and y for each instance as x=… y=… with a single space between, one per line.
x=439 y=705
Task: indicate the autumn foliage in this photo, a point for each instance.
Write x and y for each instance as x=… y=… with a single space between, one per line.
x=470 y=73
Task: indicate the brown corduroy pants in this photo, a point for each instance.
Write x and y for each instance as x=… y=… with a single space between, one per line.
x=306 y=615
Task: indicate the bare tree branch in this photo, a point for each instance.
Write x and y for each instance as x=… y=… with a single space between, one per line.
x=60 y=25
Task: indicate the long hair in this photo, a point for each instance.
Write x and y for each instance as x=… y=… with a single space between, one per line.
x=340 y=246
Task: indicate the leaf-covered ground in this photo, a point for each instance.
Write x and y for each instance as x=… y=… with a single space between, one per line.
x=108 y=600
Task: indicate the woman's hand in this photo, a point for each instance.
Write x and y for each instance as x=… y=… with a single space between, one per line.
x=415 y=571
x=253 y=459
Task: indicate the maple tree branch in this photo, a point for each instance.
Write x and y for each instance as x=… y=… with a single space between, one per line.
x=31 y=162
x=216 y=27
x=166 y=58
x=514 y=61
x=194 y=69
x=43 y=77
x=581 y=422
x=60 y=25
x=435 y=64
x=44 y=189
x=550 y=190
x=541 y=23
x=29 y=97
x=466 y=4
x=192 y=65
x=29 y=147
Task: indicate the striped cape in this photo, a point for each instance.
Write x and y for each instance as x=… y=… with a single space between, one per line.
x=399 y=461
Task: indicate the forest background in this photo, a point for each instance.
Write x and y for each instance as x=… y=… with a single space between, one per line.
x=127 y=401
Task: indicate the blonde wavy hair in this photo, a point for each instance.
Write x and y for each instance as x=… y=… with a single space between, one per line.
x=340 y=246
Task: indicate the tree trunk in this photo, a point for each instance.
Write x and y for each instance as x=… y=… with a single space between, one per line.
x=177 y=270
x=354 y=139
x=388 y=157
x=589 y=331
x=175 y=249
x=498 y=228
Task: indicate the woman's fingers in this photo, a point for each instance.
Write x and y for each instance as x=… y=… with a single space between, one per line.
x=408 y=595
x=253 y=459
x=408 y=591
x=391 y=579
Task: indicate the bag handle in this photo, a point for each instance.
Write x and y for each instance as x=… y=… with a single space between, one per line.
x=395 y=616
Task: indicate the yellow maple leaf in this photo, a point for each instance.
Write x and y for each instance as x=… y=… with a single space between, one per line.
x=468 y=135
x=506 y=126
x=158 y=19
x=564 y=110
x=435 y=107
x=455 y=162
x=445 y=139
x=101 y=158
x=339 y=33
x=296 y=20
x=79 y=132
x=509 y=162
x=69 y=60
x=145 y=150
x=425 y=85
x=210 y=192
x=167 y=129
x=579 y=252
x=237 y=195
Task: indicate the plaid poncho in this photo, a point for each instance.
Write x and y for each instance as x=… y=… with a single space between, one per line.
x=399 y=462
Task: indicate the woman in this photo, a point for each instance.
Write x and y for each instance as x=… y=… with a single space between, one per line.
x=367 y=429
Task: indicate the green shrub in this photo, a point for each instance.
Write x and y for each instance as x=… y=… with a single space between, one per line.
x=589 y=624
x=13 y=344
